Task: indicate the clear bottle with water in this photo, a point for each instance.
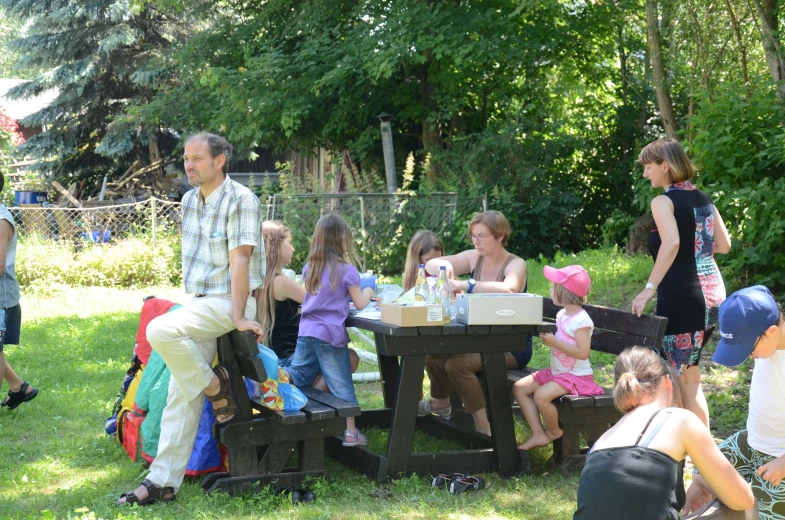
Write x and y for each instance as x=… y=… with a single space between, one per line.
x=421 y=292
x=443 y=293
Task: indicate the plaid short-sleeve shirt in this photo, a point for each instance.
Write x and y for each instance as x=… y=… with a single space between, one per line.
x=228 y=218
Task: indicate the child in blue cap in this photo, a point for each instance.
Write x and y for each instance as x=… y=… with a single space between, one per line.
x=751 y=325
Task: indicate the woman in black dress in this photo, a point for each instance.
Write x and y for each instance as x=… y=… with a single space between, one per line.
x=688 y=231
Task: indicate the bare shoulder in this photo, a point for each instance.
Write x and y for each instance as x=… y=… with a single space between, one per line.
x=661 y=202
x=284 y=287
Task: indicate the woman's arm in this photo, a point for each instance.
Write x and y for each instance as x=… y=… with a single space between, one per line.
x=514 y=281
x=720 y=475
x=361 y=298
x=456 y=264
x=721 y=235
x=284 y=287
x=662 y=209
x=579 y=351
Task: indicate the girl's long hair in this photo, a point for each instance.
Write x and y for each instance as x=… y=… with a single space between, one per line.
x=422 y=242
x=331 y=246
x=273 y=233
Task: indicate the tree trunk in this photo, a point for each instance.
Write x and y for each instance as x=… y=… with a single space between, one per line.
x=658 y=69
x=767 y=10
x=431 y=131
x=742 y=49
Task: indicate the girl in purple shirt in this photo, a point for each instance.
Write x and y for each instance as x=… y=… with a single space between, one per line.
x=330 y=278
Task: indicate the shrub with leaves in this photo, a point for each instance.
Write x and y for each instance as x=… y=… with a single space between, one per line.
x=132 y=262
x=739 y=147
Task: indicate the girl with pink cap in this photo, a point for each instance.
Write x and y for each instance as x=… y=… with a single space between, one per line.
x=570 y=371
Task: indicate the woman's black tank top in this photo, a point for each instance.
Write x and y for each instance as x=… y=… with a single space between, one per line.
x=632 y=482
x=287 y=325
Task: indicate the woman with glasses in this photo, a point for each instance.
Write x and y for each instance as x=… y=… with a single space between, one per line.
x=492 y=269
x=636 y=469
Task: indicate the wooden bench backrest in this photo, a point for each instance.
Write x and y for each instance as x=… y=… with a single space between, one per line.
x=245 y=349
x=616 y=330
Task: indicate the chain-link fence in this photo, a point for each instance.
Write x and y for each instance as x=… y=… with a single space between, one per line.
x=383 y=223
x=98 y=223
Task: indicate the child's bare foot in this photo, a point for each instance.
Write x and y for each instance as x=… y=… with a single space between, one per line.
x=543 y=439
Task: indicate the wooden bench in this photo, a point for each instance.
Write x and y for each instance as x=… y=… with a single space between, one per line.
x=590 y=417
x=261 y=444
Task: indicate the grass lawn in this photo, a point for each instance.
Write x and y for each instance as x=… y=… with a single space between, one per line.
x=56 y=461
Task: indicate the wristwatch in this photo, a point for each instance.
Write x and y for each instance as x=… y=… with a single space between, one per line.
x=651 y=286
x=472 y=283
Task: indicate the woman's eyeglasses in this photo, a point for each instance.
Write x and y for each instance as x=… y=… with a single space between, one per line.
x=479 y=236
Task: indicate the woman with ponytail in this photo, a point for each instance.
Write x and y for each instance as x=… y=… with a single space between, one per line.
x=640 y=460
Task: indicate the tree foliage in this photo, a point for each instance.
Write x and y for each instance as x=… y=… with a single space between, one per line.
x=99 y=56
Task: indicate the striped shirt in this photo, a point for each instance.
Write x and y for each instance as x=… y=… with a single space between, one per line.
x=228 y=218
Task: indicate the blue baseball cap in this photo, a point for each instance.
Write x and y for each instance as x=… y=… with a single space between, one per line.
x=744 y=317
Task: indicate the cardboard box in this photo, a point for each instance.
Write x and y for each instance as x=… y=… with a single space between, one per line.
x=412 y=315
x=499 y=309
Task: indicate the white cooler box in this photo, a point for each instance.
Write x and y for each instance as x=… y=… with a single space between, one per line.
x=499 y=309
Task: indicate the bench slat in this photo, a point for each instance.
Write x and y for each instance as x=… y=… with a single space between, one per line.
x=282 y=417
x=317 y=411
x=614 y=319
x=616 y=342
x=342 y=408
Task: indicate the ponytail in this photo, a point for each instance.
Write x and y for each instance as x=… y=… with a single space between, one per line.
x=638 y=373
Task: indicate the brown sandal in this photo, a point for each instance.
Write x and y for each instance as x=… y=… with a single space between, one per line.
x=155 y=494
x=224 y=392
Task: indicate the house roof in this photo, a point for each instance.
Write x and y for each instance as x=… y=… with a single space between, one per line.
x=20 y=108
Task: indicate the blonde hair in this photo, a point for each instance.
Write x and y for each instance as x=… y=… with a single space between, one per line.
x=638 y=374
x=331 y=246
x=668 y=150
x=422 y=242
x=563 y=296
x=273 y=233
x=496 y=222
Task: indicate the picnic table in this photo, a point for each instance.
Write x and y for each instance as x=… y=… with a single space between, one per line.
x=402 y=352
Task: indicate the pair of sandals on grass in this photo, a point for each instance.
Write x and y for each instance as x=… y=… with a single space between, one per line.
x=226 y=413
x=14 y=399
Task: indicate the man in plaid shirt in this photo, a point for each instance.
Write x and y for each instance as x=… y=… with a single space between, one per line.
x=223 y=261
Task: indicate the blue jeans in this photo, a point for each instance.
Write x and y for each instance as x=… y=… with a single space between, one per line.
x=313 y=356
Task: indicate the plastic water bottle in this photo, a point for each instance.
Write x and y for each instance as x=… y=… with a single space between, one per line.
x=443 y=293
x=421 y=292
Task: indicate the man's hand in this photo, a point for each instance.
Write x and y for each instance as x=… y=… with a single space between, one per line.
x=244 y=324
x=773 y=471
x=697 y=497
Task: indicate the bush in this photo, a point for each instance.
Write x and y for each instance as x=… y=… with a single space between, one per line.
x=132 y=262
x=739 y=147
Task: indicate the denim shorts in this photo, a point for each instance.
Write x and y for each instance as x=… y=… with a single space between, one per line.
x=10 y=325
x=314 y=356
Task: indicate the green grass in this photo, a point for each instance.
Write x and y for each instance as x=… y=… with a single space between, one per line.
x=56 y=461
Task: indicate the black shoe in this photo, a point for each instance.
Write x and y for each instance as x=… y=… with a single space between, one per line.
x=469 y=483
x=443 y=479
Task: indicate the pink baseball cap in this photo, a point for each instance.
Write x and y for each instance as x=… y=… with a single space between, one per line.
x=574 y=278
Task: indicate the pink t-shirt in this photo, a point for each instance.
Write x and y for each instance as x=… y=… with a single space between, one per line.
x=566 y=326
x=324 y=313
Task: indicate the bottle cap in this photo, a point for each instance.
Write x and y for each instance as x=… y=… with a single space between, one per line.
x=421 y=266
x=442 y=268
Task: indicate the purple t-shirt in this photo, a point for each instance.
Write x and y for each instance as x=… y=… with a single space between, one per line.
x=324 y=314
